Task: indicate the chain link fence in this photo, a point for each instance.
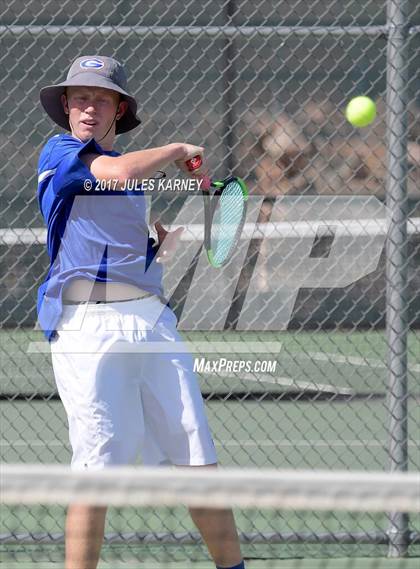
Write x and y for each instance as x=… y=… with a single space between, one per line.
x=262 y=86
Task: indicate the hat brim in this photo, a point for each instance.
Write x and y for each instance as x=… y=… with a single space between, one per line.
x=50 y=98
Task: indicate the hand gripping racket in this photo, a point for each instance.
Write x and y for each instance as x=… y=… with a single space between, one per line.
x=224 y=214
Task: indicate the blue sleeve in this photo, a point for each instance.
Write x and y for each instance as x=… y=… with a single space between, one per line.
x=61 y=172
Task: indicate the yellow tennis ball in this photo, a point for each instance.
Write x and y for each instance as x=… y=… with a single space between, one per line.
x=361 y=111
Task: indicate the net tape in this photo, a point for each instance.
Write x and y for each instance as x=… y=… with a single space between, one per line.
x=250 y=488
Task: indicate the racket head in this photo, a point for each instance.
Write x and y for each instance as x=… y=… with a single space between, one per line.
x=228 y=212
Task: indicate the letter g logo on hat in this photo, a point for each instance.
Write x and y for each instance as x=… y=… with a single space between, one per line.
x=91 y=64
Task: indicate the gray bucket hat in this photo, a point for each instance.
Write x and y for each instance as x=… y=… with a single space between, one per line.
x=91 y=71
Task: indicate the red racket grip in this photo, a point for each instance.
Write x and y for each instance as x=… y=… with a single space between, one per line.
x=194 y=163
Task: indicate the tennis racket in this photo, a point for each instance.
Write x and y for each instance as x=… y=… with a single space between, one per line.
x=224 y=214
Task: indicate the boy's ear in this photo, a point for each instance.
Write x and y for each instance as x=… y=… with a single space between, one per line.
x=122 y=107
x=65 y=103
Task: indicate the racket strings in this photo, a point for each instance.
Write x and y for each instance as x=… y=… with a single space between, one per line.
x=227 y=221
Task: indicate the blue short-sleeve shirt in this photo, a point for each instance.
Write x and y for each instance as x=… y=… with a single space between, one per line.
x=99 y=235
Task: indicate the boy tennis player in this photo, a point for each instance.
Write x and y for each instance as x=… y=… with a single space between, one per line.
x=102 y=296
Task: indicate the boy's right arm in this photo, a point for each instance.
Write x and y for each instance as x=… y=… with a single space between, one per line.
x=140 y=164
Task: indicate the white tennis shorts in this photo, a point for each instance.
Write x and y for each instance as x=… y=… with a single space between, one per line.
x=121 y=400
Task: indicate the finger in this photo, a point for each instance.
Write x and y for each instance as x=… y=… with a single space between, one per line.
x=162 y=257
x=205 y=182
x=175 y=232
x=173 y=238
x=194 y=151
x=168 y=234
x=170 y=247
x=202 y=171
x=184 y=168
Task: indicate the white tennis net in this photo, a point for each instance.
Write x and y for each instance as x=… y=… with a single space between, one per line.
x=314 y=514
x=280 y=489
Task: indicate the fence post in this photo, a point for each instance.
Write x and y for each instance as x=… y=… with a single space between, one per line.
x=397 y=257
x=229 y=90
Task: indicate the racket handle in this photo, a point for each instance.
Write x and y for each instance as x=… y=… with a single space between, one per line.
x=194 y=163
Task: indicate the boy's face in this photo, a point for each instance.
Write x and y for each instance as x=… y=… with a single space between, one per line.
x=91 y=111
